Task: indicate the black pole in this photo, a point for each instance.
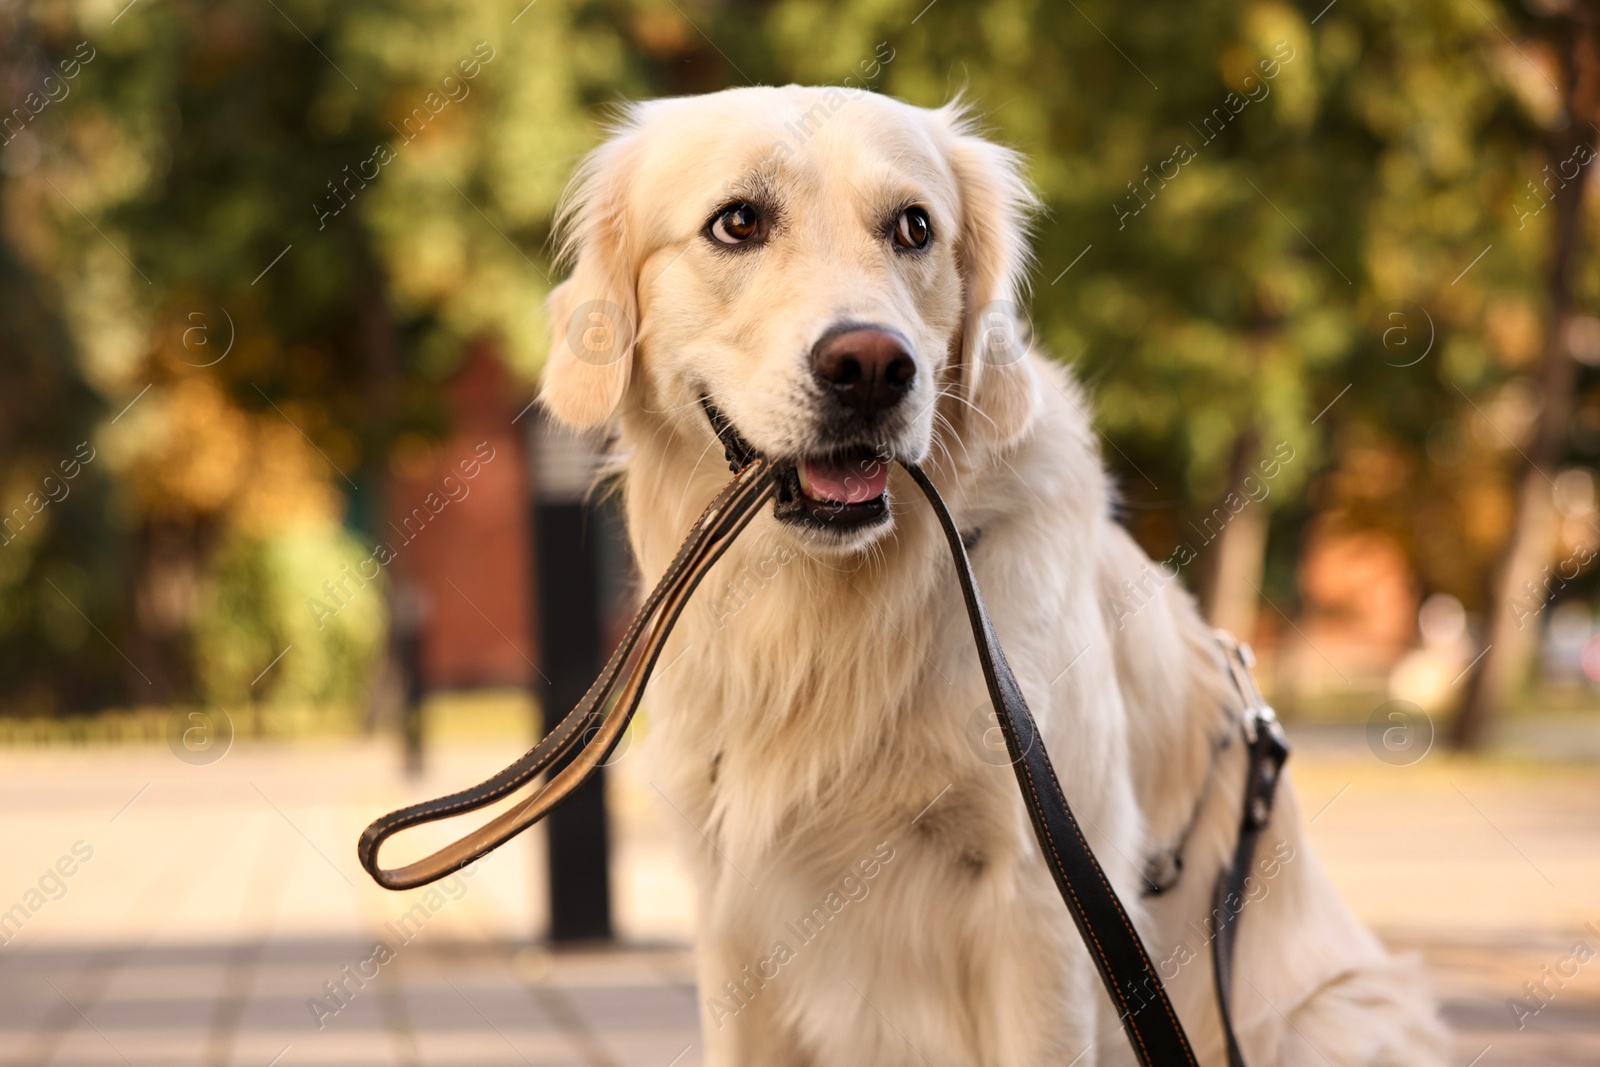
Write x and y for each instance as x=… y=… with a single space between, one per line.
x=411 y=717
x=408 y=616
x=571 y=540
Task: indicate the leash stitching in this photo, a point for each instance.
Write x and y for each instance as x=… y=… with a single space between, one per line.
x=710 y=536
x=737 y=498
x=993 y=660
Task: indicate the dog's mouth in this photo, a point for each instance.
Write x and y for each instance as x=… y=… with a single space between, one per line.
x=843 y=488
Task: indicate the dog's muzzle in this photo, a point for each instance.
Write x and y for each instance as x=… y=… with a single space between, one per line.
x=838 y=490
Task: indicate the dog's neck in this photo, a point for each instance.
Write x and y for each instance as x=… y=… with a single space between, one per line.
x=832 y=662
x=788 y=645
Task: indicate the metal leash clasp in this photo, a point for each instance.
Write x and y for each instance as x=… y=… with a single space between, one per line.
x=1263 y=733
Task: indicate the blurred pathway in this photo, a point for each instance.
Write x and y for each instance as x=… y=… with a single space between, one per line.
x=209 y=908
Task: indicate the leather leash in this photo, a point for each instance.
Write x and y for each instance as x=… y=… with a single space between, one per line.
x=1267 y=748
x=1119 y=955
x=597 y=723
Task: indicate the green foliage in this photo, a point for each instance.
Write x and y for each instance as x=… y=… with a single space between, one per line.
x=61 y=550
x=1239 y=198
x=268 y=595
x=340 y=196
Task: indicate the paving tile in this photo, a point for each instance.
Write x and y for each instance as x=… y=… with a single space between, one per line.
x=219 y=902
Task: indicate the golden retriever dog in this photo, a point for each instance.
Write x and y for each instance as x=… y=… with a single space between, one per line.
x=835 y=273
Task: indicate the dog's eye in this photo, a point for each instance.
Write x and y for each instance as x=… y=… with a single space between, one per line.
x=911 y=229
x=736 y=225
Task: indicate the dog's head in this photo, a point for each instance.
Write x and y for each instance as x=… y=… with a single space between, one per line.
x=831 y=272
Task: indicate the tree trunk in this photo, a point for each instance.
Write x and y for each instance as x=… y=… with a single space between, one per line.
x=170 y=559
x=1511 y=637
x=1231 y=579
x=1241 y=555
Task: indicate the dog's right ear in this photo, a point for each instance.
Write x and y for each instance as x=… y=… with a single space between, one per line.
x=593 y=315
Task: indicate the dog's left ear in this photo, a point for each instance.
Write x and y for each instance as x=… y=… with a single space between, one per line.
x=992 y=247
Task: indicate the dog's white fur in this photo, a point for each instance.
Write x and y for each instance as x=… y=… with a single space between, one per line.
x=822 y=715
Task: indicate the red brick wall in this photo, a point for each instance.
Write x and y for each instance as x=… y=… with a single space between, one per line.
x=458 y=524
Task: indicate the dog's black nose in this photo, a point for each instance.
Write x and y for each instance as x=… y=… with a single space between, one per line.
x=866 y=368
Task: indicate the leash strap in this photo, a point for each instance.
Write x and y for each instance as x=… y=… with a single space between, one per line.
x=597 y=723
x=588 y=727
x=1267 y=749
x=1118 y=953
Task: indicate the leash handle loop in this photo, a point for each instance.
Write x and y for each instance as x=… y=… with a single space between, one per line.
x=595 y=725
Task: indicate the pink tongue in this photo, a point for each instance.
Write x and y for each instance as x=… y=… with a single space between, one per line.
x=852 y=481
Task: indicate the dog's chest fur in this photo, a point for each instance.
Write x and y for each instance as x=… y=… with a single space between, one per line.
x=824 y=720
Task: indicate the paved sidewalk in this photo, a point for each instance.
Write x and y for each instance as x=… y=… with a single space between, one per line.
x=456 y=1003
x=217 y=904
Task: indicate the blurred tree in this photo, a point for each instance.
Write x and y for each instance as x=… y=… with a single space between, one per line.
x=1571 y=37
x=1423 y=419
x=1198 y=240
x=1278 y=212
x=194 y=137
x=61 y=563
x=1274 y=233
x=277 y=228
